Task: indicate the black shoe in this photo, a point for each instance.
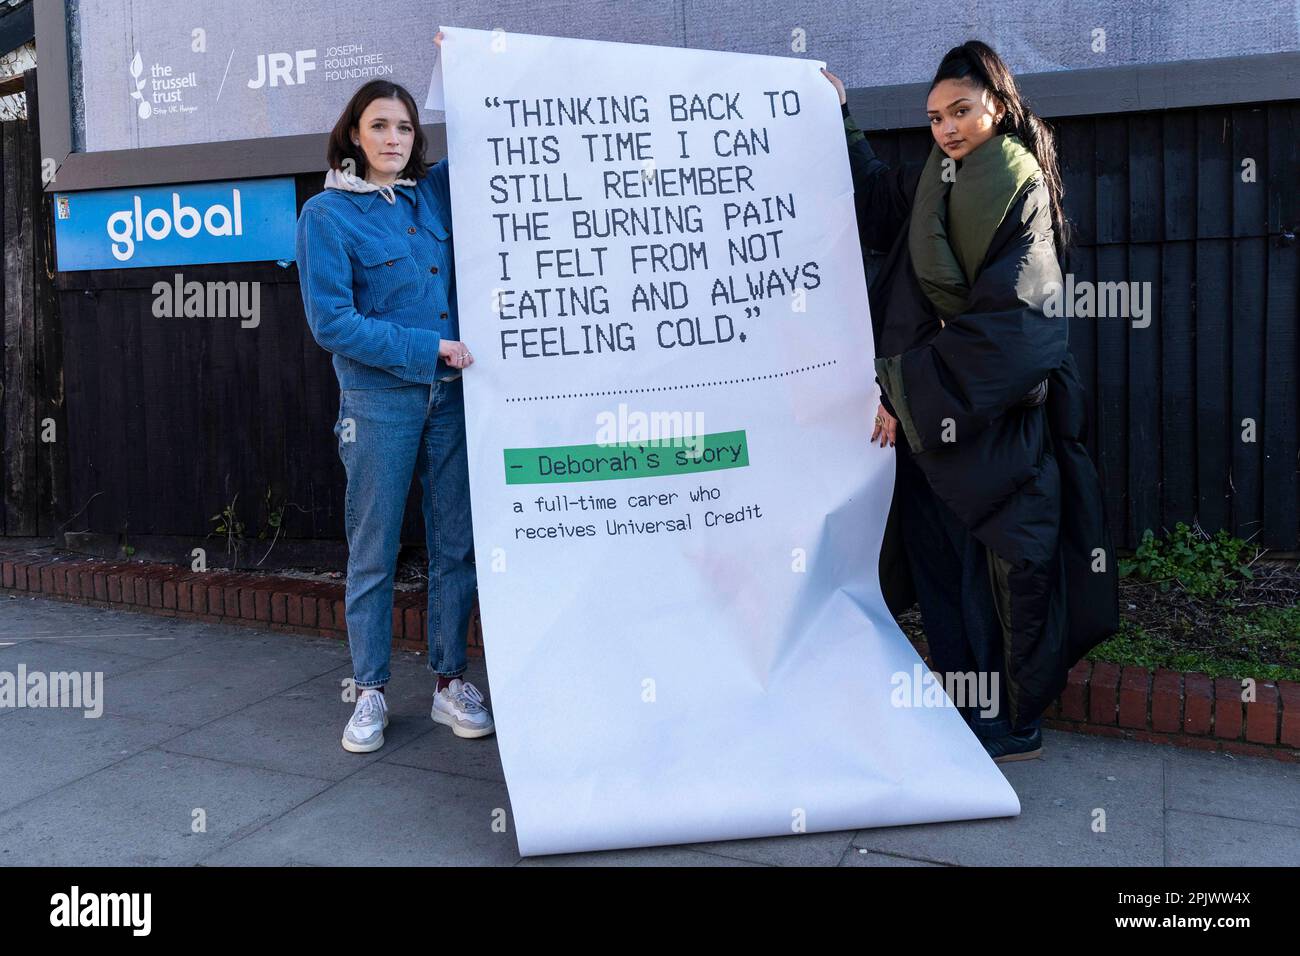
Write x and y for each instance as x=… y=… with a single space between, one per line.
x=1015 y=746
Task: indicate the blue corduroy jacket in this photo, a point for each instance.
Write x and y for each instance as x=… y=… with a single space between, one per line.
x=378 y=282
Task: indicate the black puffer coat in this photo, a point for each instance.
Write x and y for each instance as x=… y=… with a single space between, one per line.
x=1017 y=475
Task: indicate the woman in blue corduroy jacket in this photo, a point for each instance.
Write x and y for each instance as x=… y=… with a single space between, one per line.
x=374 y=255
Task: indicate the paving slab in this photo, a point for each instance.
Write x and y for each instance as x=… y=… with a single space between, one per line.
x=646 y=856
x=299 y=729
x=387 y=814
x=1059 y=794
x=1263 y=791
x=219 y=677
x=110 y=629
x=864 y=857
x=44 y=749
x=140 y=812
x=1195 y=839
x=797 y=849
x=39 y=654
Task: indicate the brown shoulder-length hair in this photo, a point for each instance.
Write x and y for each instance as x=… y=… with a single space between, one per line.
x=340 y=147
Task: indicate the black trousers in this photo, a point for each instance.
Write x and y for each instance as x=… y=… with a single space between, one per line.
x=951 y=572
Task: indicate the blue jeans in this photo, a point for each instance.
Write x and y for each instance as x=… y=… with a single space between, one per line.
x=950 y=570
x=393 y=431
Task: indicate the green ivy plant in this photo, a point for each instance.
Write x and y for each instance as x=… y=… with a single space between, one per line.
x=1205 y=566
x=274 y=523
x=229 y=524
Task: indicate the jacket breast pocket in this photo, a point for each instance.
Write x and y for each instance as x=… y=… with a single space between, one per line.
x=388 y=273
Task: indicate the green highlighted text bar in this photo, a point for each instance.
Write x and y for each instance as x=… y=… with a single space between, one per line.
x=650 y=459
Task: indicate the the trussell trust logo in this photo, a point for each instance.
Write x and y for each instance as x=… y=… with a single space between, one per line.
x=126 y=227
x=103 y=909
x=162 y=91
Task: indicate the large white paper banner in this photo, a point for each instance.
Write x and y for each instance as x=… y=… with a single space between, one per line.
x=686 y=640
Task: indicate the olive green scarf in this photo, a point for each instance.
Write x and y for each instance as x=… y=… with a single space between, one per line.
x=953 y=222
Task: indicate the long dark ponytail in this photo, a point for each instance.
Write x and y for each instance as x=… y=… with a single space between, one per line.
x=977 y=62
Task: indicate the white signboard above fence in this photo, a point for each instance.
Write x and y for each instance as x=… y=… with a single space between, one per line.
x=160 y=73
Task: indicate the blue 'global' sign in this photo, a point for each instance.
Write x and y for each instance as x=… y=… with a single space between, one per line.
x=241 y=221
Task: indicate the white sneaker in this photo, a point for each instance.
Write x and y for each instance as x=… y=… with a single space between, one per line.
x=365 y=731
x=459 y=705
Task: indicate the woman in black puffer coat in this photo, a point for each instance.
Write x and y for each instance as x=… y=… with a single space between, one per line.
x=997 y=525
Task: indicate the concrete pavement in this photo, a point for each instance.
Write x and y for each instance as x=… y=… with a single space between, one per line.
x=238 y=729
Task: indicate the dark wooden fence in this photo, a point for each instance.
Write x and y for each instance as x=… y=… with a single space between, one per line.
x=33 y=431
x=170 y=419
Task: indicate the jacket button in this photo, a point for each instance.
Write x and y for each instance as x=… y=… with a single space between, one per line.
x=411 y=230
x=433 y=269
x=389 y=262
x=442 y=315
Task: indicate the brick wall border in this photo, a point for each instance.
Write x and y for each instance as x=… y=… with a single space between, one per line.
x=1133 y=703
x=265 y=601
